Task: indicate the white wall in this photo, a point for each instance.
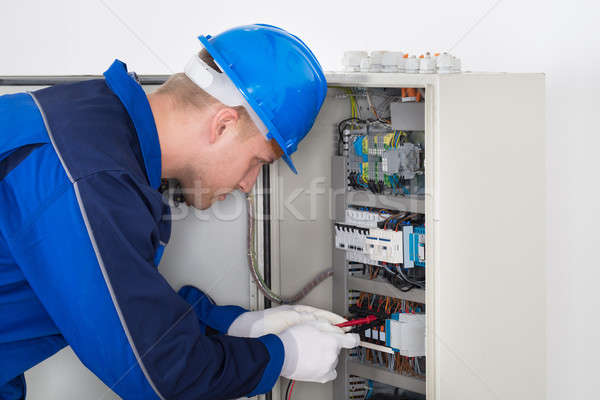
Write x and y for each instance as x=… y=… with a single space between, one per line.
x=559 y=38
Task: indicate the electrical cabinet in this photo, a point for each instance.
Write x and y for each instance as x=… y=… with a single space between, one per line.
x=483 y=238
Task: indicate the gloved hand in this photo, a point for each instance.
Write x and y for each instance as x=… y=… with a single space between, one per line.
x=277 y=319
x=312 y=349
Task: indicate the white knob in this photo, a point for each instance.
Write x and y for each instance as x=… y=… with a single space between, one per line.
x=411 y=65
x=427 y=65
x=456 y=65
x=377 y=61
x=365 y=64
x=352 y=59
x=444 y=63
x=391 y=60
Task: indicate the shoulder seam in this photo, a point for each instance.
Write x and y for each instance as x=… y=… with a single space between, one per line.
x=51 y=136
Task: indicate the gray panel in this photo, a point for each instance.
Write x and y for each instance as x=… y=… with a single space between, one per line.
x=46 y=80
x=384 y=288
x=408 y=116
x=410 y=203
x=338 y=185
x=384 y=376
x=208 y=250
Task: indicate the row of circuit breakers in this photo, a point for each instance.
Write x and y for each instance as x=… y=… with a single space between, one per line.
x=374 y=236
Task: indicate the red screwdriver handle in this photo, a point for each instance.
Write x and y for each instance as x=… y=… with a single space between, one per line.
x=359 y=321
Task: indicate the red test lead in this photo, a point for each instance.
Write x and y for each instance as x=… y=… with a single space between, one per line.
x=359 y=321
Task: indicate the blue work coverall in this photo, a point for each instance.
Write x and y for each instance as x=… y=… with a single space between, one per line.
x=82 y=229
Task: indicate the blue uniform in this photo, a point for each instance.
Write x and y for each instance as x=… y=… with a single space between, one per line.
x=82 y=229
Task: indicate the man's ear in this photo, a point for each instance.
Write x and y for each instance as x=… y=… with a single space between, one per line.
x=221 y=121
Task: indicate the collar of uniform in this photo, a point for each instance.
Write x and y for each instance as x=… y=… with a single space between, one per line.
x=136 y=103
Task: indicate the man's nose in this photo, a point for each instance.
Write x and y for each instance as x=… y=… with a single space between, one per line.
x=249 y=180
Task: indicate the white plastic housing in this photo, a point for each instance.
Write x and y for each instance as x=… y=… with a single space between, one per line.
x=411 y=65
x=365 y=219
x=352 y=59
x=385 y=245
x=407 y=334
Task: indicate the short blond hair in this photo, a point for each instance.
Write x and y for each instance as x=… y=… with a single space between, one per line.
x=185 y=93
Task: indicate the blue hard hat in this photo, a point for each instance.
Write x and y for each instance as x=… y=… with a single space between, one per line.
x=277 y=74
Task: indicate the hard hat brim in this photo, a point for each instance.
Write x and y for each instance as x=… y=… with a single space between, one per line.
x=289 y=162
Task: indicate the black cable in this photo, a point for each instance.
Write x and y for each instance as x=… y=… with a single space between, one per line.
x=397 y=281
x=341 y=125
x=266 y=183
x=420 y=284
x=287 y=391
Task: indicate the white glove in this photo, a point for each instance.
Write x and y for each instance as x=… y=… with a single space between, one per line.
x=277 y=319
x=312 y=349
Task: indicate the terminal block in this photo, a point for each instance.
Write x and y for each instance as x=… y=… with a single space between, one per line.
x=402 y=244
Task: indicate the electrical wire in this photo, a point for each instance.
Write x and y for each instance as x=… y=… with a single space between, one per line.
x=354 y=109
x=287 y=391
x=371 y=106
x=391 y=276
x=342 y=125
x=419 y=284
x=257 y=276
x=293 y=382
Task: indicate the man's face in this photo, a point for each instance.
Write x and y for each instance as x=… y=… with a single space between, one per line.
x=231 y=159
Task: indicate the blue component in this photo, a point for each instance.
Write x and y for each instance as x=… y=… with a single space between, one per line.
x=387 y=333
x=277 y=74
x=388 y=330
x=419 y=232
x=358 y=146
x=407 y=247
x=412 y=242
x=370 y=390
x=358 y=149
x=359 y=182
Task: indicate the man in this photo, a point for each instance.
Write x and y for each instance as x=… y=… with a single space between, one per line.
x=83 y=226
